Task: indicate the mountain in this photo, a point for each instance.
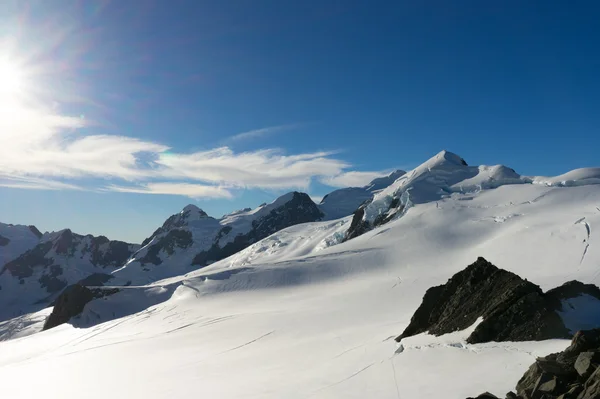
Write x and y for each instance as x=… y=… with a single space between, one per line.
x=191 y=239
x=320 y=312
x=441 y=176
x=58 y=259
x=16 y=239
x=345 y=201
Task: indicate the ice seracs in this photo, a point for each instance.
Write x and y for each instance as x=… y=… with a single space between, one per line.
x=345 y=201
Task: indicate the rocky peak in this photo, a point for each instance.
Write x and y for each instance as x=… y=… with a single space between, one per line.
x=513 y=309
x=192 y=212
x=63 y=241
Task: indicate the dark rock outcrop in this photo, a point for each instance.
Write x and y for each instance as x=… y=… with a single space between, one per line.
x=95 y=280
x=571 y=374
x=174 y=238
x=299 y=209
x=513 y=309
x=359 y=225
x=4 y=241
x=35 y=231
x=71 y=303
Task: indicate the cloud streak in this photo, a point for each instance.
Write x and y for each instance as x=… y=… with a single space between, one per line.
x=258 y=133
x=185 y=189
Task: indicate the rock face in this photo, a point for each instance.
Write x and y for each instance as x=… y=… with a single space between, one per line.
x=71 y=302
x=58 y=260
x=570 y=374
x=512 y=309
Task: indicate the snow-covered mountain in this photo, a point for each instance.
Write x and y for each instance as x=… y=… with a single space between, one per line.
x=441 y=176
x=59 y=259
x=308 y=313
x=345 y=201
x=191 y=239
x=16 y=239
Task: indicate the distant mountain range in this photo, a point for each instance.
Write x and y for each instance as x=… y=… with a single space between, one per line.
x=36 y=267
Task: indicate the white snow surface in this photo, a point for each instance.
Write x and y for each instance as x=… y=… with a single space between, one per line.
x=20 y=239
x=294 y=316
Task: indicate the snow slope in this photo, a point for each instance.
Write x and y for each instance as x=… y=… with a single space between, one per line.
x=291 y=316
x=16 y=239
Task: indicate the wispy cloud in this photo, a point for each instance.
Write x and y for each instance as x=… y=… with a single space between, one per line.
x=185 y=189
x=257 y=133
x=40 y=148
x=352 y=178
x=32 y=183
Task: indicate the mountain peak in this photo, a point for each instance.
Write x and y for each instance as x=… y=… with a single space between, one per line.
x=192 y=212
x=449 y=157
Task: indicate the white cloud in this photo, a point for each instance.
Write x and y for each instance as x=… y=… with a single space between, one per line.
x=185 y=189
x=258 y=169
x=352 y=178
x=40 y=149
x=256 y=133
x=32 y=183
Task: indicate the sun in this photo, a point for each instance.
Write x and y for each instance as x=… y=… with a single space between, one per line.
x=11 y=81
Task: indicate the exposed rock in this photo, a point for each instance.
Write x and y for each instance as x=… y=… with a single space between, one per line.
x=586 y=363
x=570 y=374
x=71 y=302
x=4 y=241
x=513 y=309
x=35 y=231
x=177 y=237
x=299 y=209
x=95 y=280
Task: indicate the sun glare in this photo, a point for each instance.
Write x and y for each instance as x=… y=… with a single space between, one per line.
x=11 y=81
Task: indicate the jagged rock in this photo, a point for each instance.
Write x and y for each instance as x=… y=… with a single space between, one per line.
x=586 y=363
x=299 y=209
x=591 y=388
x=71 y=302
x=546 y=384
x=513 y=309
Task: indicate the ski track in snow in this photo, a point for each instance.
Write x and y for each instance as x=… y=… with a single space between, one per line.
x=341 y=381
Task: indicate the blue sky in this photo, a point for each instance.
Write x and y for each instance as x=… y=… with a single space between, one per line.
x=125 y=111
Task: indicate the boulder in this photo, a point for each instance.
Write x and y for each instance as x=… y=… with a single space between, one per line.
x=587 y=363
x=71 y=303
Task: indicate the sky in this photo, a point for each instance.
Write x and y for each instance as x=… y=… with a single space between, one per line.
x=116 y=114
